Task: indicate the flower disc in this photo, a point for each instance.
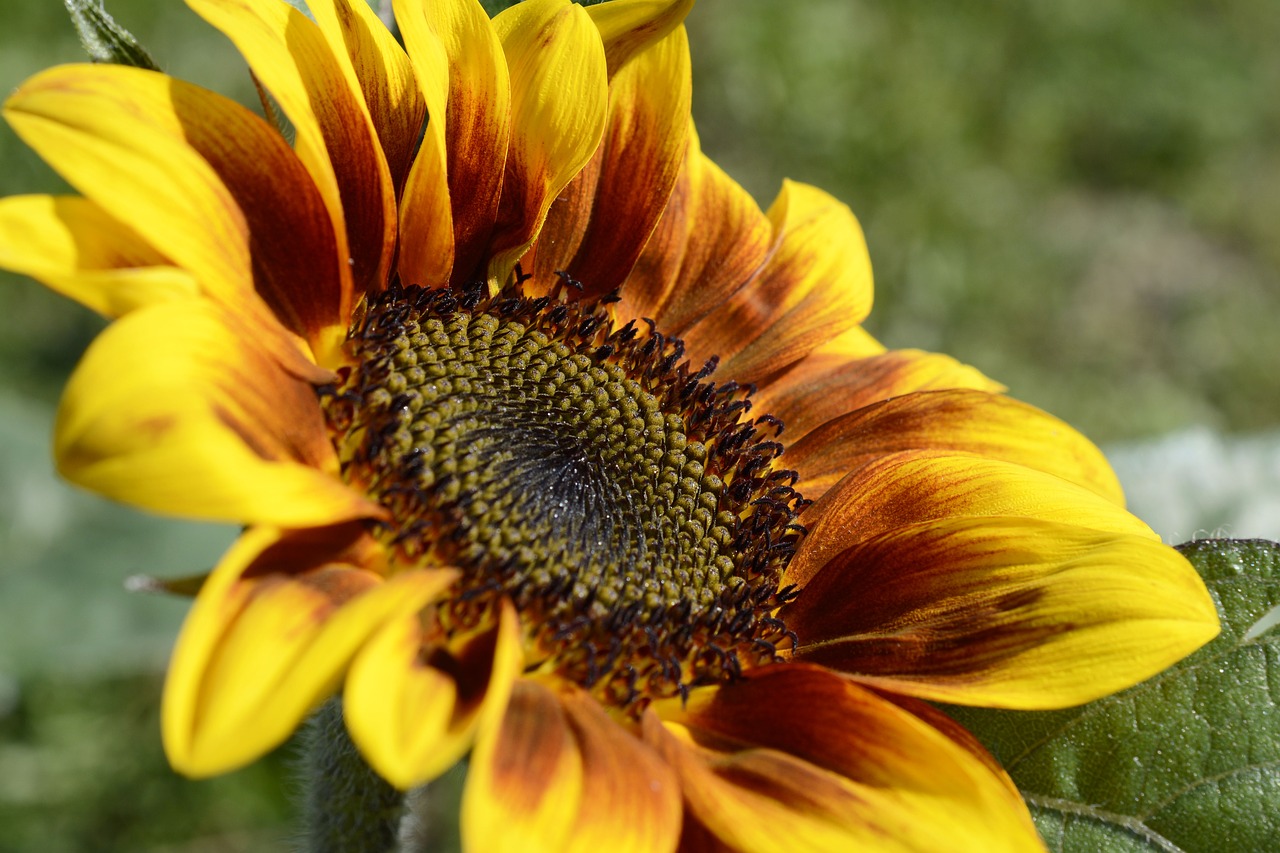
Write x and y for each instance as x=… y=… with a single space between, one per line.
x=584 y=471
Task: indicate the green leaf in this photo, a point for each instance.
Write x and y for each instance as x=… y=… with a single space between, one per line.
x=1186 y=761
x=105 y=40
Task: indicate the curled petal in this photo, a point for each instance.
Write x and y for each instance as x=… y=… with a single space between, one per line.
x=75 y=247
x=798 y=758
x=560 y=774
x=180 y=409
x=1003 y=612
x=815 y=285
x=906 y=488
x=976 y=422
x=559 y=101
x=414 y=708
x=262 y=647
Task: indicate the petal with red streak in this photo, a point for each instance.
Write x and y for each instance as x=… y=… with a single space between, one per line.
x=977 y=422
x=559 y=102
x=798 y=758
x=335 y=137
x=825 y=385
x=642 y=150
x=1004 y=612
x=560 y=774
x=711 y=239
x=815 y=285
x=910 y=487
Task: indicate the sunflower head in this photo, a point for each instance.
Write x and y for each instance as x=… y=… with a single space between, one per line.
x=554 y=449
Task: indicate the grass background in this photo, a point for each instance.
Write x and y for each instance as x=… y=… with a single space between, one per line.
x=1080 y=197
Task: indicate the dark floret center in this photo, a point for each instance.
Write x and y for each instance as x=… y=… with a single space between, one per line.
x=625 y=504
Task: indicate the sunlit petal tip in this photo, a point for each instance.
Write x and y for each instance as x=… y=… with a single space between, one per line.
x=627 y=27
x=258 y=653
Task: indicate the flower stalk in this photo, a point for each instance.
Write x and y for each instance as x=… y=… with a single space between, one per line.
x=347 y=807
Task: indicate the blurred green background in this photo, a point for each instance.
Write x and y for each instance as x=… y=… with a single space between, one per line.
x=1080 y=197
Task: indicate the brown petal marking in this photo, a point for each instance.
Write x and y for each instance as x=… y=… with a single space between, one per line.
x=935 y=601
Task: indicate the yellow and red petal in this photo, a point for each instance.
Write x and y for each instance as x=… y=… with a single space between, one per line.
x=640 y=157
x=798 y=758
x=1003 y=612
x=74 y=247
x=910 y=487
x=261 y=648
x=559 y=103
x=712 y=238
x=181 y=409
x=463 y=72
x=335 y=137
x=201 y=179
x=976 y=422
x=559 y=774
x=383 y=73
x=815 y=285
x=628 y=27
x=426 y=220
x=414 y=707
x=827 y=384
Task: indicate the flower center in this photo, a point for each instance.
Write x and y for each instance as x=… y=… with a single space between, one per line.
x=620 y=500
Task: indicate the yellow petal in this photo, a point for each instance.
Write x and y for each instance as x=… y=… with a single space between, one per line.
x=375 y=61
x=830 y=382
x=118 y=137
x=202 y=180
x=478 y=123
x=797 y=758
x=525 y=781
x=989 y=425
x=633 y=802
x=627 y=27
x=260 y=649
x=1003 y=612
x=815 y=285
x=75 y=247
x=336 y=139
x=910 y=487
x=559 y=102
x=426 y=219
x=414 y=710
x=640 y=157
x=711 y=240
x=180 y=409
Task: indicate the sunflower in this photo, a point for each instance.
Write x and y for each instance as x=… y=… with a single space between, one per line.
x=494 y=364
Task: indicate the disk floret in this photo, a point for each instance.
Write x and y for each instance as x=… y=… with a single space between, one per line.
x=624 y=503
